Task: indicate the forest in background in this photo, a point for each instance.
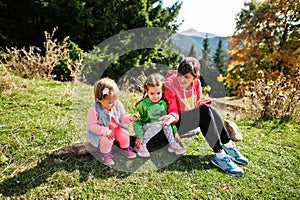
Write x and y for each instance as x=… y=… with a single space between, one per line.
x=57 y=39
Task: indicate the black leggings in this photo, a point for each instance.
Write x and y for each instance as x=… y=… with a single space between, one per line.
x=210 y=123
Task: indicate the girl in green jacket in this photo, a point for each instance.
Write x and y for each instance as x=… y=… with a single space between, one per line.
x=151 y=108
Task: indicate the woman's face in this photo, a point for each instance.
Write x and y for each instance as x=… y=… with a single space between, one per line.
x=185 y=80
x=154 y=93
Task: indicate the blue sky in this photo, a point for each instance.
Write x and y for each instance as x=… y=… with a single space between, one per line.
x=211 y=16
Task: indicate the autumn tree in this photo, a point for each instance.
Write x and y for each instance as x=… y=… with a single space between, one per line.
x=265 y=58
x=266 y=39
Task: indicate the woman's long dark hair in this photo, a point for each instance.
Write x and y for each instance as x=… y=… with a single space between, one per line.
x=189 y=64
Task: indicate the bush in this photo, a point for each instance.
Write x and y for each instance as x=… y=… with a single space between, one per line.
x=35 y=63
x=70 y=66
x=276 y=99
x=10 y=83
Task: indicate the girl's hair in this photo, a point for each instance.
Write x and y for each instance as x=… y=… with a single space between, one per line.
x=153 y=80
x=189 y=64
x=105 y=87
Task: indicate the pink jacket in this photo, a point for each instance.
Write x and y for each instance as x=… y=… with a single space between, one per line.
x=174 y=94
x=100 y=127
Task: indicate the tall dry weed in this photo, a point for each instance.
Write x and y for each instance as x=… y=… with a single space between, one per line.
x=9 y=82
x=276 y=99
x=33 y=63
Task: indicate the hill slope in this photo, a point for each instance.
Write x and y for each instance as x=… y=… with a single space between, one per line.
x=41 y=115
x=184 y=40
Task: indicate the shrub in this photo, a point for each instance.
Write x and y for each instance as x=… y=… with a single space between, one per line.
x=9 y=82
x=276 y=99
x=69 y=67
x=35 y=63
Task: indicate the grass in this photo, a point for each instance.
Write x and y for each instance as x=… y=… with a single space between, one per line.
x=42 y=115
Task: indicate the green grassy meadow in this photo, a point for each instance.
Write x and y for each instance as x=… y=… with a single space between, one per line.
x=37 y=116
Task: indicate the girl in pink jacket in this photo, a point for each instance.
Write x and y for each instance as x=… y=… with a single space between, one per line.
x=107 y=121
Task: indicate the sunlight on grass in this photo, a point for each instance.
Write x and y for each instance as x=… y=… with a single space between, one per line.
x=47 y=115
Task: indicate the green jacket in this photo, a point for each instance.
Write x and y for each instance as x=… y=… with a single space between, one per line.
x=150 y=112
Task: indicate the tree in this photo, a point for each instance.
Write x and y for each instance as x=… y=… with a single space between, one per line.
x=219 y=57
x=267 y=39
x=19 y=23
x=209 y=72
x=192 y=52
x=87 y=23
x=204 y=61
x=206 y=48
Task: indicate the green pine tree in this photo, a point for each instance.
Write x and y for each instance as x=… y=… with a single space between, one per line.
x=219 y=57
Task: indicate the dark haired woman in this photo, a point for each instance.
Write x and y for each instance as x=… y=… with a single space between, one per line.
x=188 y=111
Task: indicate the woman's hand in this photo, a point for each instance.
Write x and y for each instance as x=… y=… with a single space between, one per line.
x=205 y=102
x=138 y=142
x=110 y=134
x=166 y=120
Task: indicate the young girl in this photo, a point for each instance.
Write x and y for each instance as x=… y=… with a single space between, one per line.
x=107 y=121
x=189 y=112
x=151 y=108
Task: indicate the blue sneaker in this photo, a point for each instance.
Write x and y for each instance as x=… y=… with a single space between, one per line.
x=227 y=165
x=235 y=155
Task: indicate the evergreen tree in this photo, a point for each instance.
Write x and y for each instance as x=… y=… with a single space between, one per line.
x=206 y=48
x=219 y=57
x=192 y=52
x=209 y=72
x=87 y=23
x=206 y=58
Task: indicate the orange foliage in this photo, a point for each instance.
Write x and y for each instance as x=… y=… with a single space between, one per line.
x=266 y=39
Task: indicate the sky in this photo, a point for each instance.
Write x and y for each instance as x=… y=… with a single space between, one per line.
x=210 y=16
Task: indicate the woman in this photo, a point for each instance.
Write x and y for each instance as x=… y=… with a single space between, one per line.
x=186 y=109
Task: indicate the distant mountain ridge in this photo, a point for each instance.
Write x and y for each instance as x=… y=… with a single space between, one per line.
x=193 y=33
x=184 y=40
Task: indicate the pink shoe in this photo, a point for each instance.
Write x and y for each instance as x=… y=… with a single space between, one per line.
x=176 y=148
x=142 y=151
x=128 y=152
x=107 y=159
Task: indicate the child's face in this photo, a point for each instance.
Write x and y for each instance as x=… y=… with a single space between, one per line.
x=185 y=80
x=154 y=93
x=109 y=101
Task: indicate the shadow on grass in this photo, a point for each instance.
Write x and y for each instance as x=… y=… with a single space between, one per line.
x=22 y=182
x=160 y=160
x=190 y=163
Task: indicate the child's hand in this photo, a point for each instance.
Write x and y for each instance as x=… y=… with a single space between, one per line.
x=166 y=120
x=138 y=142
x=134 y=116
x=110 y=134
x=177 y=137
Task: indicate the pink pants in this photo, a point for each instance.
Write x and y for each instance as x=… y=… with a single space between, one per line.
x=121 y=135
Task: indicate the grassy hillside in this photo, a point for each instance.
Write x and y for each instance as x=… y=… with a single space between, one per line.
x=37 y=116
